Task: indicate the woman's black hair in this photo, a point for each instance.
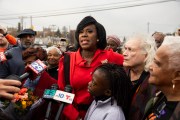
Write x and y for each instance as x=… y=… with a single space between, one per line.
x=120 y=84
x=101 y=32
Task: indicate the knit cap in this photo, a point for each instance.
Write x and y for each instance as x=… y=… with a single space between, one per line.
x=115 y=39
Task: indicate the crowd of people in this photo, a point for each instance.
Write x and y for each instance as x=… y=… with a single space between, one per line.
x=111 y=80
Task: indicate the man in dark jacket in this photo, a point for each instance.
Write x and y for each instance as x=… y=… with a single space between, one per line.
x=15 y=65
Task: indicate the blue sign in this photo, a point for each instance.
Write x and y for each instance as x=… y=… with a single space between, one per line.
x=48 y=93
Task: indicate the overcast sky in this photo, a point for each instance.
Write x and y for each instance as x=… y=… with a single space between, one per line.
x=120 y=17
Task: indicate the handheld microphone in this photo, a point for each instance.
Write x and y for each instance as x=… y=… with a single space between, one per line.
x=4 y=57
x=33 y=70
x=68 y=89
x=48 y=111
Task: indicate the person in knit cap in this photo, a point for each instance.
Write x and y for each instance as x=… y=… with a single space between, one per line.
x=159 y=38
x=91 y=42
x=113 y=42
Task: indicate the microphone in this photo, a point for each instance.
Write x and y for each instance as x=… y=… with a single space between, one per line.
x=33 y=70
x=48 y=111
x=68 y=89
x=4 y=57
x=58 y=95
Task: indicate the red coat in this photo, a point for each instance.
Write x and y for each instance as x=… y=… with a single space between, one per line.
x=80 y=76
x=45 y=82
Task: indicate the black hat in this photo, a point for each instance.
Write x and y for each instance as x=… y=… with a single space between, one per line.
x=26 y=32
x=101 y=32
x=85 y=22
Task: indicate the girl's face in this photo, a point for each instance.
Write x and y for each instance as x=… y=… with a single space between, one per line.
x=88 y=37
x=99 y=86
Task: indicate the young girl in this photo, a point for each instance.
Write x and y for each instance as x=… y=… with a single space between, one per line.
x=111 y=89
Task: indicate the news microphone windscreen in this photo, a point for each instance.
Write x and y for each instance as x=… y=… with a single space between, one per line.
x=49 y=93
x=54 y=86
x=36 y=68
x=4 y=57
x=68 y=88
x=8 y=55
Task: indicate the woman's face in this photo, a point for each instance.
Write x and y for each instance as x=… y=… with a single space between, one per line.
x=88 y=37
x=53 y=57
x=160 y=73
x=112 y=44
x=133 y=54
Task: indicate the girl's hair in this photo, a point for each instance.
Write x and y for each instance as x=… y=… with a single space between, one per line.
x=38 y=52
x=120 y=84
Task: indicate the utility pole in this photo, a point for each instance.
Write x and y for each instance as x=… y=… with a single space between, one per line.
x=148 y=24
x=31 y=23
x=22 y=22
x=53 y=28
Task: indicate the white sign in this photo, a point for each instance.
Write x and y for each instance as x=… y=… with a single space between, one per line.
x=64 y=96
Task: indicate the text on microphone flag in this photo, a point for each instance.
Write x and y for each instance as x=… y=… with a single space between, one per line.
x=58 y=95
x=49 y=93
x=37 y=66
x=2 y=57
x=64 y=96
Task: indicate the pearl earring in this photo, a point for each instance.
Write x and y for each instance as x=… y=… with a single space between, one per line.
x=97 y=40
x=173 y=86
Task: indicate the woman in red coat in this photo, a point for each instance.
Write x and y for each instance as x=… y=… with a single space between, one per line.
x=91 y=39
